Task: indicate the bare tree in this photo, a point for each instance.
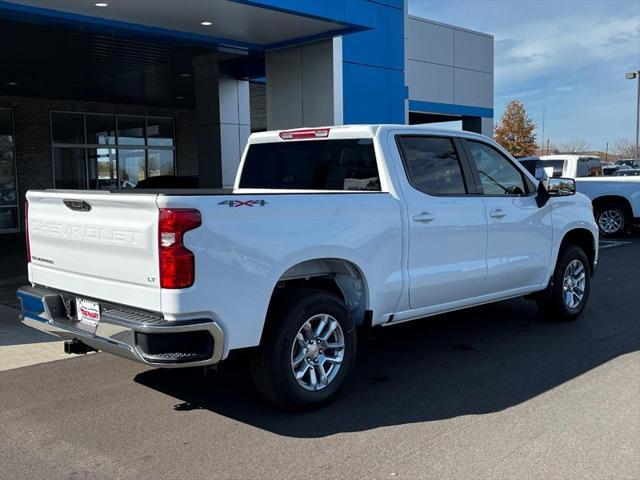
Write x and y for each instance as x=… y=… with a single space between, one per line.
x=549 y=148
x=576 y=145
x=623 y=148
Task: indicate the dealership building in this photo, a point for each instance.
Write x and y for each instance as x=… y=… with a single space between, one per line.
x=101 y=95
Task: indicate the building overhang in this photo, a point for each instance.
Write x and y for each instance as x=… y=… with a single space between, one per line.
x=141 y=51
x=257 y=25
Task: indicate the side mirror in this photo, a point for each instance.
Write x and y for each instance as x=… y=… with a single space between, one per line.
x=559 y=187
x=554 y=187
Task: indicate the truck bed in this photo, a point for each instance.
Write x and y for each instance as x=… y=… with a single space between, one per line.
x=110 y=253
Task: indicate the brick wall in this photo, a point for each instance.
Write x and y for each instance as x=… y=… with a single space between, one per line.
x=33 y=135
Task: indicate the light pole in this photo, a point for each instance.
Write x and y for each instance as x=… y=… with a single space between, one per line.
x=631 y=76
x=544 y=111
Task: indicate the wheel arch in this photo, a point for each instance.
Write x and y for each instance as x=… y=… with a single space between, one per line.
x=584 y=239
x=607 y=199
x=339 y=276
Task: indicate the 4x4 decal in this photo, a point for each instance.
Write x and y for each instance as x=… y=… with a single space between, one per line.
x=245 y=203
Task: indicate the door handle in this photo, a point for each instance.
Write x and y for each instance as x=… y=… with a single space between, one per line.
x=423 y=217
x=497 y=213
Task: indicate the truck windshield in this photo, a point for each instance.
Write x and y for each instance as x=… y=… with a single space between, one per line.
x=312 y=165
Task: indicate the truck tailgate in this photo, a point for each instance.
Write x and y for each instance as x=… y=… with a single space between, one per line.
x=96 y=244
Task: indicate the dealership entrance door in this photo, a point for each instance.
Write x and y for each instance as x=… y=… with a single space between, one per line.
x=9 y=215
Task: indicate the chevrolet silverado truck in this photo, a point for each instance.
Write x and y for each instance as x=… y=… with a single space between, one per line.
x=327 y=231
x=616 y=200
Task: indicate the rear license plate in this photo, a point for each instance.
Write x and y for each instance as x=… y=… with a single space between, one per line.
x=88 y=312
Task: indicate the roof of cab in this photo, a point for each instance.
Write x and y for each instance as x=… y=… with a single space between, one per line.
x=566 y=156
x=361 y=131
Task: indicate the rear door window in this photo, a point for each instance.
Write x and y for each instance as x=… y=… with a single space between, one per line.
x=312 y=165
x=432 y=165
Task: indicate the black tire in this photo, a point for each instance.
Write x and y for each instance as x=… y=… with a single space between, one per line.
x=617 y=209
x=552 y=303
x=271 y=365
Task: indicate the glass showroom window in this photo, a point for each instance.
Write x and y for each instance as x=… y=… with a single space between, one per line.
x=9 y=216
x=104 y=151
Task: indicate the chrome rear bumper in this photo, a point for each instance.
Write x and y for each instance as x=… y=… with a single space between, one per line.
x=126 y=332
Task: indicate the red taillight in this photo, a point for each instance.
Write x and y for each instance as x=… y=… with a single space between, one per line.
x=177 y=263
x=26 y=229
x=301 y=134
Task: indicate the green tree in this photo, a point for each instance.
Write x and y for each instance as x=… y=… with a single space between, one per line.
x=515 y=132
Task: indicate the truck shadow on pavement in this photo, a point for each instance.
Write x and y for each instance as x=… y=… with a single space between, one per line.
x=466 y=363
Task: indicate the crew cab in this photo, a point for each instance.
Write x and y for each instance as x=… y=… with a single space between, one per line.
x=327 y=231
x=572 y=166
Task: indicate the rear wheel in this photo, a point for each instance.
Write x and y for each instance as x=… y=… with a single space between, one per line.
x=308 y=349
x=570 y=286
x=612 y=219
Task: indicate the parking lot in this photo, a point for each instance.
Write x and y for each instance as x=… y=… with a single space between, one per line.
x=493 y=392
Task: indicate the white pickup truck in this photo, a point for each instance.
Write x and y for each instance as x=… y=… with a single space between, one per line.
x=616 y=200
x=326 y=231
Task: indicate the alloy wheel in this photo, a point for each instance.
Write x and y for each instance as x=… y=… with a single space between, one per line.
x=611 y=221
x=573 y=285
x=317 y=352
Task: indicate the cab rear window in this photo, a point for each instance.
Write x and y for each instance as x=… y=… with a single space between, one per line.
x=589 y=167
x=312 y=165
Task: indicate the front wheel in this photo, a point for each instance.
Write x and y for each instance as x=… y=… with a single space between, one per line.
x=308 y=349
x=570 y=286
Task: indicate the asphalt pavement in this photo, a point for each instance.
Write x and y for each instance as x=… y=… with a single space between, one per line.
x=489 y=393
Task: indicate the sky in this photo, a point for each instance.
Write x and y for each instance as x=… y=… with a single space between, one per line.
x=564 y=57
